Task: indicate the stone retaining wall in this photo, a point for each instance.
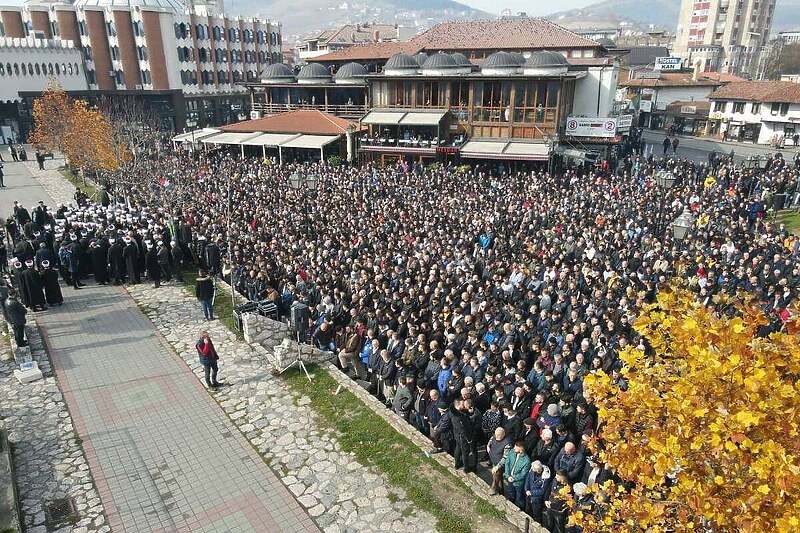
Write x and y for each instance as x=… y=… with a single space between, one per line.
x=479 y=487
x=262 y=333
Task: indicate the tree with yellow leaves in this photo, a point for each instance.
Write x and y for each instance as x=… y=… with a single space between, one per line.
x=706 y=435
x=89 y=143
x=50 y=119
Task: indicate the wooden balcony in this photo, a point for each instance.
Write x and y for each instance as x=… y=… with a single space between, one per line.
x=349 y=111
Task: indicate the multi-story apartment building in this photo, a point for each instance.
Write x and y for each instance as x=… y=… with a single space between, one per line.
x=187 y=59
x=348 y=35
x=724 y=35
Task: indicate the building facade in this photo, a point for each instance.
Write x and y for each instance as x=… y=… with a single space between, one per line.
x=762 y=112
x=724 y=35
x=348 y=35
x=141 y=47
x=500 y=90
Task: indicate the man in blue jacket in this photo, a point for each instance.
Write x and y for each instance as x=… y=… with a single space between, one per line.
x=536 y=485
x=444 y=376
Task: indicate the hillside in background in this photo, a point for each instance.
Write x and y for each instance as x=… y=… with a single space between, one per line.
x=663 y=14
x=303 y=17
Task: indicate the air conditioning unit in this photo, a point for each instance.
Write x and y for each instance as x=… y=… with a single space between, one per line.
x=255 y=115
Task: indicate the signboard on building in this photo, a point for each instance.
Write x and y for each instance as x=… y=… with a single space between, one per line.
x=688 y=109
x=668 y=63
x=591 y=127
x=624 y=122
x=646 y=106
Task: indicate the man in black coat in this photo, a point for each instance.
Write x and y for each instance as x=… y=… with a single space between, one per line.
x=52 y=290
x=153 y=268
x=99 y=259
x=176 y=253
x=116 y=261
x=163 y=257
x=130 y=254
x=214 y=257
x=31 y=287
x=16 y=316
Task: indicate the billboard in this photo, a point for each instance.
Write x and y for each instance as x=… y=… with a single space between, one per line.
x=668 y=63
x=591 y=127
x=624 y=122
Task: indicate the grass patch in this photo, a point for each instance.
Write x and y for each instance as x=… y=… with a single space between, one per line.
x=375 y=443
x=88 y=189
x=791 y=219
x=223 y=307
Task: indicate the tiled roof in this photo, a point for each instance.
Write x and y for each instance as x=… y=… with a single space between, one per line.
x=675 y=79
x=310 y=122
x=366 y=52
x=501 y=34
x=759 y=91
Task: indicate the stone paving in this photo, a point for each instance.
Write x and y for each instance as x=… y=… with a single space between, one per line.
x=163 y=455
x=340 y=493
x=51 y=180
x=49 y=461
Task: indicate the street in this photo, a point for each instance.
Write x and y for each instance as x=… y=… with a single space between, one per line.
x=697 y=149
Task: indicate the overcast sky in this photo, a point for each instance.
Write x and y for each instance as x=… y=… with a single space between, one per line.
x=535 y=7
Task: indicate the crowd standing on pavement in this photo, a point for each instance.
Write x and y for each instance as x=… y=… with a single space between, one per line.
x=472 y=303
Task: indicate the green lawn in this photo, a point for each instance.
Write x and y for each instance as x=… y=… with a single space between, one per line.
x=791 y=219
x=79 y=184
x=375 y=443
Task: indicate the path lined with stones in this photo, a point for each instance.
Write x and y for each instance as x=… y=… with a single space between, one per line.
x=342 y=494
x=49 y=459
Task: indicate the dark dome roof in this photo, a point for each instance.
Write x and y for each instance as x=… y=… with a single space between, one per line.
x=350 y=71
x=608 y=43
x=313 y=71
x=440 y=60
x=277 y=71
x=460 y=59
x=421 y=58
x=401 y=62
x=546 y=59
x=503 y=60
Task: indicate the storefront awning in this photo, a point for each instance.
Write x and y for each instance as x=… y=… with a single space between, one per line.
x=195 y=135
x=404 y=118
x=229 y=138
x=382 y=118
x=422 y=119
x=270 y=139
x=310 y=141
x=514 y=150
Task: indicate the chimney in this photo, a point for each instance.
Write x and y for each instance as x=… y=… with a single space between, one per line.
x=376 y=36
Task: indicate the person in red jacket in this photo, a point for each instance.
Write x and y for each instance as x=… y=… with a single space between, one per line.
x=208 y=358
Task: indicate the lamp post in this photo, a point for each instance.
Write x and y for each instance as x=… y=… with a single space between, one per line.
x=664 y=180
x=682 y=225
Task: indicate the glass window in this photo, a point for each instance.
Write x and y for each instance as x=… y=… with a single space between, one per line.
x=30 y=69
x=2 y=69
x=24 y=70
x=755 y=108
x=719 y=106
x=58 y=69
x=38 y=72
x=16 y=69
x=738 y=107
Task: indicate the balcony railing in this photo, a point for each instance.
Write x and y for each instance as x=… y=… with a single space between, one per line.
x=352 y=111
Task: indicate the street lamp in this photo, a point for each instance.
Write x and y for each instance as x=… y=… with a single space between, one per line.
x=682 y=225
x=665 y=179
x=295 y=180
x=311 y=181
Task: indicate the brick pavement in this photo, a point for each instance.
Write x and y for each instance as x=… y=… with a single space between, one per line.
x=163 y=454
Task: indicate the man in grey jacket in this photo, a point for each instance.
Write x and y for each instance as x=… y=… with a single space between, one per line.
x=404 y=397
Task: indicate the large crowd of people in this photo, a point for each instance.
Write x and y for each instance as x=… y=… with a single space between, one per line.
x=472 y=303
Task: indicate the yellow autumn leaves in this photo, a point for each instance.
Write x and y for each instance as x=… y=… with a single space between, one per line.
x=81 y=133
x=706 y=434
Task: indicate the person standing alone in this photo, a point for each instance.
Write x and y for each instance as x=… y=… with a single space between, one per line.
x=204 y=291
x=208 y=358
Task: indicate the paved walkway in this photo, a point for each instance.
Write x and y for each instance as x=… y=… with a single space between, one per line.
x=163 y=455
